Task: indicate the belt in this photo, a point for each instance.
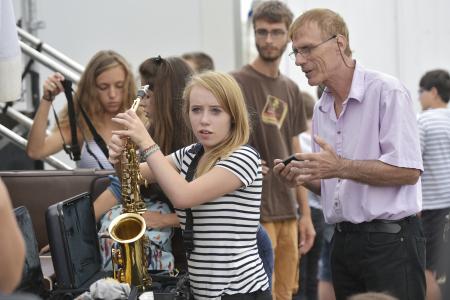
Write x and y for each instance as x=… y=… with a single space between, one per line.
x=377 y=225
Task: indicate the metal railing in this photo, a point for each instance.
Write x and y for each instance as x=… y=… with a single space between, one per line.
x=22 y=143
x=49 y=63
x=18 y=116
x=57 y=62
x=45 y=48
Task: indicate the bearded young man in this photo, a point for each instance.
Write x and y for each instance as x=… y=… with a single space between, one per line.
x=276 y=107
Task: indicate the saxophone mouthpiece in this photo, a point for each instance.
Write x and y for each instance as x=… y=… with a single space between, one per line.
x=142 y=92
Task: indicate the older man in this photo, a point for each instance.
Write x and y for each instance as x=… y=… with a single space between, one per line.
x=366 y=164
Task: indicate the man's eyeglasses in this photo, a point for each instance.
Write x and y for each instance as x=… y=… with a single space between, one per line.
x=306 y=51
x=275 y=34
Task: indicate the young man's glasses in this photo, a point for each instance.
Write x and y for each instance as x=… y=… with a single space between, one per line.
x=264 y=33
x=306 y=51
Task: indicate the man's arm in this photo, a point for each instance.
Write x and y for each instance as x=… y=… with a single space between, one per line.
x=305 y=226
x=377 y=173
x=327 y=164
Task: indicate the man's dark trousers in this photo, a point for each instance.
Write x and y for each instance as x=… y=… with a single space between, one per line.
x=370 y=257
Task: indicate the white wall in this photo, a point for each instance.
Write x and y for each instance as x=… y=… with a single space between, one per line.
x=140 y=29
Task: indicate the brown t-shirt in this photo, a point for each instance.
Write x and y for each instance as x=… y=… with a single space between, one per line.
x=277 y=115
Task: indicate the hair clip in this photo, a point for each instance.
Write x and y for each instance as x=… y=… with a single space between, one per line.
x=158 y=59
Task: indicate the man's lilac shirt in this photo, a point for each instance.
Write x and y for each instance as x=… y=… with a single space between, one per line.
x=377 y=122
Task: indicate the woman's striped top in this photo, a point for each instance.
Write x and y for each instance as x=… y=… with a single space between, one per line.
x=225 y=258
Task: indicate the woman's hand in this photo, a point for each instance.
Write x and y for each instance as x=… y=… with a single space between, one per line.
x=115 y=148
x=133 y=128
x=155 y=219
x=53 y=86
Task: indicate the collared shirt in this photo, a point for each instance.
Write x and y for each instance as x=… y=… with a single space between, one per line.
x=377 y=122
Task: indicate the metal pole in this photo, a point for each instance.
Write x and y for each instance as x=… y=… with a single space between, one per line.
x=31 y=83
x=22 y=143
x=49 y=63
x=50 y=50
x=19 y=117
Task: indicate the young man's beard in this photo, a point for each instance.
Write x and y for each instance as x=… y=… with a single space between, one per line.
x=270 y=58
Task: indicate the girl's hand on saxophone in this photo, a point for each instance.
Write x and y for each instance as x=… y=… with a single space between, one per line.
x=133 y=129
x=115 y=148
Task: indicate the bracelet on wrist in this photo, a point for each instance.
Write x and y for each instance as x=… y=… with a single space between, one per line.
x=147 y=152
x=48 y=98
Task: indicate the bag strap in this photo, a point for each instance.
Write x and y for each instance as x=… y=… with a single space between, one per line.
x=91 y=153
x=188 y=232
x=74 y=148
x=97 y=138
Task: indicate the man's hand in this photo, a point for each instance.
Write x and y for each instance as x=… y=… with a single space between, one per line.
x=321 y=165
x=288 y=174
x=307 y=234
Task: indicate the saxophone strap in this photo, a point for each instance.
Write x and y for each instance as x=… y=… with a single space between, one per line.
x=188 y=233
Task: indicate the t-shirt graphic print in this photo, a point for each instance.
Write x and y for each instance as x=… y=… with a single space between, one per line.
x=275 y=111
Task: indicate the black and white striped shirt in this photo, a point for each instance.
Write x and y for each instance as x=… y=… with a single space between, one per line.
x=434 y=131
x=225 y=259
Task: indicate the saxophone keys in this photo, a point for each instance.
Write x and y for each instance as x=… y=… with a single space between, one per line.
x=121 y=275
x=117 y=257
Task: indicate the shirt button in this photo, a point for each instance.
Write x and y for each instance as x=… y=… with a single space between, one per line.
x=339 y=132
x=336 y=204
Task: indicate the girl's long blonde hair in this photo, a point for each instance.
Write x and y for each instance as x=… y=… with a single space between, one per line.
x=229 y=95
x=87 y=92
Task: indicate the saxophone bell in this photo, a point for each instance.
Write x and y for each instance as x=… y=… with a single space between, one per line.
x=128 y=230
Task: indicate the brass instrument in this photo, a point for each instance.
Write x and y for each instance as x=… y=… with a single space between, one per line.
x=128 y=229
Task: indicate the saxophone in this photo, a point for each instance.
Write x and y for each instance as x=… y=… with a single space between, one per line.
x=128 y=229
